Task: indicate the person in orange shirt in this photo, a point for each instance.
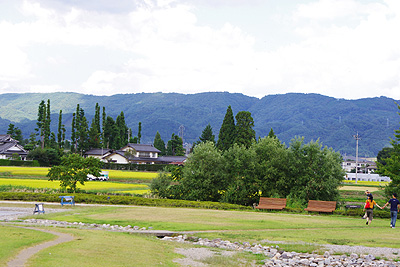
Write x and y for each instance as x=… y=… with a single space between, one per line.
x=369 y=207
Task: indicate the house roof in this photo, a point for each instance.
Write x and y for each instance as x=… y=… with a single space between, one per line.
x=5 y=148
x=143 y=147
x=98 y=151
x=6 y=138
x=170 y=159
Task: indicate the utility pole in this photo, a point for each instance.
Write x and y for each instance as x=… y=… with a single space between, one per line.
x=357 y=137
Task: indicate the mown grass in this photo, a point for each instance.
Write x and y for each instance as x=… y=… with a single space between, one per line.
x=17 y=239
x=244 y=226
x=101 y=248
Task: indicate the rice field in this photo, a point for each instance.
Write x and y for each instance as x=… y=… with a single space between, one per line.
x=42 y=172
x=88 y=186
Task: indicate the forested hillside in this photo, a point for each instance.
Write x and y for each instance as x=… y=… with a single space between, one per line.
x=333 y=121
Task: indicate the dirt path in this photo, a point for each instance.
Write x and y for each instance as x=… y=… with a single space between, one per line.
x=25 y=254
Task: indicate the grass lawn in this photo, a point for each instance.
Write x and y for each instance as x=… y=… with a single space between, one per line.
x=243 y=225
x=17 y=239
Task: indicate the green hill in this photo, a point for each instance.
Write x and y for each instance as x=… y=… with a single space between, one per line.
x=333 y=121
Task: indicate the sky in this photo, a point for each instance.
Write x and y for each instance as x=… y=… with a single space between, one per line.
x=340 y=48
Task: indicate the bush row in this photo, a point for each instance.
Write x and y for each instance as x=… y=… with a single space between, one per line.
x=120 y=200
x=25 y=163
x=134 y=167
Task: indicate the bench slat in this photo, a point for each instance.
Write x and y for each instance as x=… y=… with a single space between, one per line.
x=271 y=203
x=321 y=206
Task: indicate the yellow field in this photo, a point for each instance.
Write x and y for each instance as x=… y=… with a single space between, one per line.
x=25 y=171
x=42 y=171
x=89 y=185
x=365 y=183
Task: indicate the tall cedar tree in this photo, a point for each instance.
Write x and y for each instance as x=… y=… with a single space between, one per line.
x=226 y=136
x=82 y=131
x=139 y=135
x=110 y=133
x=175 y=146
x=245 y=134
x=61 y=132
x=47 y=132
x=159 y=144
x=15 y=132
x=104 y=118
x=94 y=131
x=122 y=138
x=206 y=135
x=271 y=134
x=73 y=133
x=41 y=122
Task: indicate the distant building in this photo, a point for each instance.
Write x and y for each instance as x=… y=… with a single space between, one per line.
x=364 y=165
x=10 y=146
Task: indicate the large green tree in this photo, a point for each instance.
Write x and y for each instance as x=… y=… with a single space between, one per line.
x=392 y=166
x=315 y=171
x=74 y=169
x=226 y=136
x=202 y=177
x=175 y=146
x=239 y=171
x=245 y=134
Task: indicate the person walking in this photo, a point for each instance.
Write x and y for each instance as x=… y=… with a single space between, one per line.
x=367 y=193
x=369 y=207
x=394 y=209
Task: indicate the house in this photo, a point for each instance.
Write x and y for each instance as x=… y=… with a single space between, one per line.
x=10 y=146
x=134 y=153
x=99 y=153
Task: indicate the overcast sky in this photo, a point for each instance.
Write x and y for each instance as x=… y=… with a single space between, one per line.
x=342 y=48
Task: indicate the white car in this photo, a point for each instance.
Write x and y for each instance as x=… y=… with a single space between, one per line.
x=103 y=177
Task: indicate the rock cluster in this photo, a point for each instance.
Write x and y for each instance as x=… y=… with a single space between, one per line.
x=278 y=257
x=127 y=228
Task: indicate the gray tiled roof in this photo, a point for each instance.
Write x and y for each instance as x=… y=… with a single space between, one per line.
x=143 y=148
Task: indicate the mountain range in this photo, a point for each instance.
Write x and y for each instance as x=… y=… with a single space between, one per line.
x=312 y=116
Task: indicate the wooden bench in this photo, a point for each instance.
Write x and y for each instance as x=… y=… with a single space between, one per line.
x=321 y=206
x=268 y=203
x=67 y=200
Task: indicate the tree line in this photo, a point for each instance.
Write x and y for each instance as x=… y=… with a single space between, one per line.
x=102 y=132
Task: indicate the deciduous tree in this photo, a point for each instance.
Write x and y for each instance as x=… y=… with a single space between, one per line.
x=74 y=169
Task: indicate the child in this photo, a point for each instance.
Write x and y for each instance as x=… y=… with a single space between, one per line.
x=369 y=206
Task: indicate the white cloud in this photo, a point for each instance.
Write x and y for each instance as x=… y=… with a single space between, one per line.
x=341 y=48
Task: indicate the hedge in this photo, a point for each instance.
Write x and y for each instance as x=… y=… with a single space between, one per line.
x=25 y=163
x=120 y=200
